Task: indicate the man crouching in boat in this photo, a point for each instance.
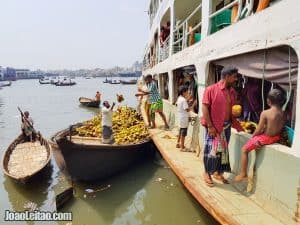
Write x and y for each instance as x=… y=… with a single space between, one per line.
x=107 y=111
x=27 y=127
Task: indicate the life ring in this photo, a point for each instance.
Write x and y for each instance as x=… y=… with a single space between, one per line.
x=262 y=4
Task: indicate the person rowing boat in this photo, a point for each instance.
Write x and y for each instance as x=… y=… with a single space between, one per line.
x=27 y=126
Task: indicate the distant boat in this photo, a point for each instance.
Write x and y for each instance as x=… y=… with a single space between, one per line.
x=65 y=82
x=5 y=83
x=89 y=102
x=87 y=77
x=106 y=81
x=32 y=161
x=128 y=82
x=115 y=82
x=45 y=80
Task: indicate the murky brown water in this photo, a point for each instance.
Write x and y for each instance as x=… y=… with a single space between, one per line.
x=135 y=197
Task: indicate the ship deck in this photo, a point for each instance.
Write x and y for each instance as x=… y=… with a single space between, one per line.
x=223 y=201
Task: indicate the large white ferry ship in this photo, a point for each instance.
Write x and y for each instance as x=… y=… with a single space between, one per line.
x=262 y=39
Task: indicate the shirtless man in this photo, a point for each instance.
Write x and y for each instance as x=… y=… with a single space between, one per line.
x=98 y=96
x=271 y=123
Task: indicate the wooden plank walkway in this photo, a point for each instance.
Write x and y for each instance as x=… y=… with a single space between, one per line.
x=225 y=203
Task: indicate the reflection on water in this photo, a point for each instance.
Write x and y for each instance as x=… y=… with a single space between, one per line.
x=135 y=197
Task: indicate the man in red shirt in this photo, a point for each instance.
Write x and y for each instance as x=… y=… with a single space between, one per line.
x=217 y=102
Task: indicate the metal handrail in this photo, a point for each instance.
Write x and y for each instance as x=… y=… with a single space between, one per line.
x=195 y=27
x=184 y=27
x=227 y=7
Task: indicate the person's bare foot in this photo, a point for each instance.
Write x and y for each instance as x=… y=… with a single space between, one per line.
x=177 y=145
x=240 y=178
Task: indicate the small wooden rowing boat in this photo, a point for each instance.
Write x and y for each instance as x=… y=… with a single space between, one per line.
x=89 y=102
x=22 y=160
x=87 y=159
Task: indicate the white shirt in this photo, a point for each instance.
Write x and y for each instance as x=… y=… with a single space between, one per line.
x=146 y=97
x=106 y=117
x=183 y=115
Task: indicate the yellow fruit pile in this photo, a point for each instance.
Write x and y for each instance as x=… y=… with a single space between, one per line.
x=248 y=127
x=128 y=127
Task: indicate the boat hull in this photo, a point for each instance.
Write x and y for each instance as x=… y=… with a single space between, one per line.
x=89 y=102
x=128 y=82
x=86 y=162
x=44 y=82
x=65 y=84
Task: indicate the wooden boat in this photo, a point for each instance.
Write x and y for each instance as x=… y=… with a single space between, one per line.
x=64 y=83
x=23 y=160
x=5 y=84
x=106 y=81
x=115 y=82
x=88 y=159
x=89 y=102
x=44 y=81
x=128 y=82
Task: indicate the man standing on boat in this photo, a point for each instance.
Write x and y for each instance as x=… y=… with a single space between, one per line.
x=217 y=102
x=98 y=96
x=155 y=100
x=107 y=112
x=27 y=126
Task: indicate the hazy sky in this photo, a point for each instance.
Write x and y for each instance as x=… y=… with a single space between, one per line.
x=72 y=34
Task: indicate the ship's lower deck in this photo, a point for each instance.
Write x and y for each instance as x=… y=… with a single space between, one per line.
x=269 y=196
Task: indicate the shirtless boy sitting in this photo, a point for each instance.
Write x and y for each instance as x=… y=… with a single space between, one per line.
x=271 y=123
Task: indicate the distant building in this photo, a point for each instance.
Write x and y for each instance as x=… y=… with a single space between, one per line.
x=10 y=74
x=22 y=73
x=2 y=71
x=35 y=74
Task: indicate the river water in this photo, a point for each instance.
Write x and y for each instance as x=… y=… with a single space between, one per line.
x=136 y=197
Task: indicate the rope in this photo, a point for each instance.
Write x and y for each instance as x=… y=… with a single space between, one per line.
x=288 y=93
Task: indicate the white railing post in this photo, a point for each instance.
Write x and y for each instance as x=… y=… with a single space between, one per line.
x=172 y=23
x=206 y=22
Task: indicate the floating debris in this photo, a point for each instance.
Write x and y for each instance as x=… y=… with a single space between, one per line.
x=159 y=179
x=90 y=191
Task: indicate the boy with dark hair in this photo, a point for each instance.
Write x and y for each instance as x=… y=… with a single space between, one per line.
x=183 y=116
x=271 y=123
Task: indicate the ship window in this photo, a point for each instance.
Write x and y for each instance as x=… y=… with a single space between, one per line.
x=259 y=72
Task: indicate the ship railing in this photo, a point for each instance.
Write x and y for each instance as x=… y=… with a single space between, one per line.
x=165 y=49
x=183 y=31
x=224 y=15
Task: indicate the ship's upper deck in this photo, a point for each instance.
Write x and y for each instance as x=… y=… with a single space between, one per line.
x=176 y=25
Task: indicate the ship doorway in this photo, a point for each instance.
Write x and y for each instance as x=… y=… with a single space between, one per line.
x=259 y=72
x=186 y=76
x=164 y=85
